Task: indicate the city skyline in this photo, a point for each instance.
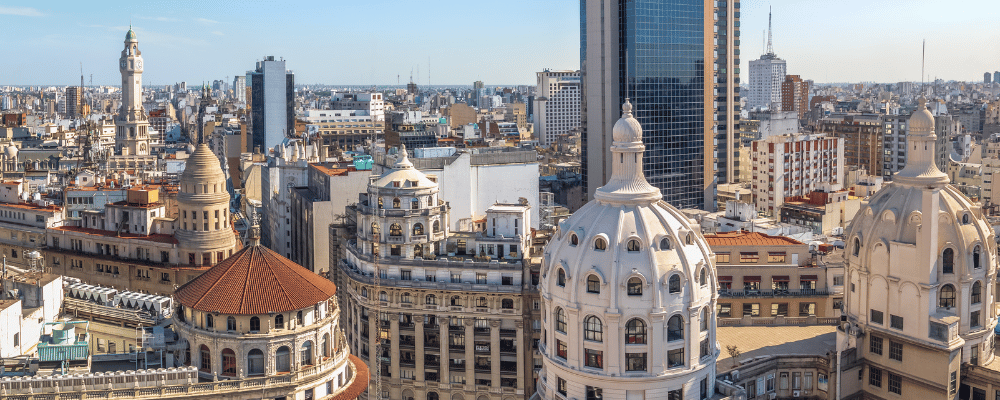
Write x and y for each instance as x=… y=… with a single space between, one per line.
x=460 y=48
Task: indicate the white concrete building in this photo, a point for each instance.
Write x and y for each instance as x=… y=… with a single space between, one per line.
x=472 y=182
x=557 y=104
x=794 y=165
x=628 y=288
x=287 y=169
x=766 y=76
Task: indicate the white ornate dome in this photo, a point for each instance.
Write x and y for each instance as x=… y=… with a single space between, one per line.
x=11 y=151
x=403 y=175
x=629 y=288
x=920 y=256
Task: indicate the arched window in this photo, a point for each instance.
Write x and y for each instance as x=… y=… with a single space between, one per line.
x=255 y=362
x=279 y=321
x=675 y=328
x=418 y=251
x=688 y=239
x=593 y=284
x=632 y=245
x=375 y=230
x=364 y=292
x=975 y=258
x=600 y=244
x=437 y=226
x=231 y=325
x=948 y=261
x=418 y=229
x=433 y=396
x=703 y=279
x=283 y=360
x=325 y=345
x=254 y=324
x=481 y=302
x=306 y=354
x=209 y=321
x=634 y=286
x=675 y=283
x=456 y=301
x=405 y=298
x=395 y=230
x=561 y=278
x=430 y=299
x=228 y=362
x=395 y=202
x=507 y=304
x=573 y=240
x=965 y=218
x=977 y=292
x=414 y=203
x=383 y=296
x=380 y=203
x=635 y=331
x=947 y=297
x=206 y=359
x=592 y=329
x=664 y=244
x=704 y=319
x=560 y=320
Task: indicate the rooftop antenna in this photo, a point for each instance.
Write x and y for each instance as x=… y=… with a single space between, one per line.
x=923 y=59
x=770 y=50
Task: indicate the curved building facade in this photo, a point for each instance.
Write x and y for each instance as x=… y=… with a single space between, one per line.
x=203 y=230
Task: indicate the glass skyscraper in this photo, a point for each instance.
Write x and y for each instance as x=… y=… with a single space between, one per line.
x=662 y=55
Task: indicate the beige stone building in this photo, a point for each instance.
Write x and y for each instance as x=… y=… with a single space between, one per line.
x=767 y=279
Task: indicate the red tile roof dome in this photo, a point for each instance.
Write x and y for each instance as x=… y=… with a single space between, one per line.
x=256 y=280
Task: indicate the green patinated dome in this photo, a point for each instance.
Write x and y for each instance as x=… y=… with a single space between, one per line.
x=130 y=35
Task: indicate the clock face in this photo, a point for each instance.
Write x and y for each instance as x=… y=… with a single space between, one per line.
x=138 y=64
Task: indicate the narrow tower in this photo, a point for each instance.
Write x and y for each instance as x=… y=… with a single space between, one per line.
x=131 y=124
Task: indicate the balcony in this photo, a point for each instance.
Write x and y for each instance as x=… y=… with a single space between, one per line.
x=508 y=332
x=749 y=294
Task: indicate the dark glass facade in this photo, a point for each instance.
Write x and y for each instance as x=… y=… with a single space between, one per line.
x=662 y=59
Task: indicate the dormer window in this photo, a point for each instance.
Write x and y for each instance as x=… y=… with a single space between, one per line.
x=632 y=245
x=600 y=244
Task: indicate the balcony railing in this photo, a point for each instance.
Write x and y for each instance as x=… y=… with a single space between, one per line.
x=744 y=294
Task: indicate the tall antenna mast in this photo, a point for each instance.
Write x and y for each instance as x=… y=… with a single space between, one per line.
x=923 y=59
x=770 y=50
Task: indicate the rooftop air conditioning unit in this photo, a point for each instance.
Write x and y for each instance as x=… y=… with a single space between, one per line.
x=735 y=374
x=796 y=393
x=772 y=396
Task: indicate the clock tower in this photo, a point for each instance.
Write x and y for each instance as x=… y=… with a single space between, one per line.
x=131 y=124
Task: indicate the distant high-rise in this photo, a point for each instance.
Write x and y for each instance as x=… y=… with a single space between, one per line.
x=659 y=53
x=74 y=97
x=240 y=88
x=795 y=95
x=766 y=76
x=558 y=104
x=272 y=98
x=996 y=76
x=986 y=78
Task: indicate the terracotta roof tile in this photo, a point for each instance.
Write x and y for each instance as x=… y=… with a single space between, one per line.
x=744 y=238
x=360 y=383
x=256 y=280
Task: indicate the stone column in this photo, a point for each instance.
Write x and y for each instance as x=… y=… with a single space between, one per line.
x=445 y=374
x=418 y=334
x=372 y=350
x=495 y=353
x=394 y=347
x=470 y=348
x=521 y=342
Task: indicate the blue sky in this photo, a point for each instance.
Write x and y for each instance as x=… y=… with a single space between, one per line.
x=371 y=42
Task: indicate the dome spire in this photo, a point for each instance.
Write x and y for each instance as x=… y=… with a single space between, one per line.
x=921 y=142
x=404 y=159
x=628 y=184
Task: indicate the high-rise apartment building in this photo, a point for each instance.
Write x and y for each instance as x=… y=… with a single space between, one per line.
x=240 y=88
x=996 y=76
x=794 y=165
x=795 y=95
x=654 y=52
x=766 y=76
x=987 y=78
x=727 y=93
x=557 y=103
x=272 y=103
x=74 y=101
x=863 y=139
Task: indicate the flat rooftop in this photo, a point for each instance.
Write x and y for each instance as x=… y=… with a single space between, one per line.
x=757 y=341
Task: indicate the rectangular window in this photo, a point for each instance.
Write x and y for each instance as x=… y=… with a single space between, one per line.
x=779 y=309
x=895 y=351
x=807 y=383
x=721 y=257
x=677 y=394
x=725 y=310
x=507 y=280
x=480 y=278
x=705 y=348
x=456 y=278
x=876 y=317
x=783 y=381
x=895 y=322
x=751 y=309
x=675 y=358
x=807 y=309
x=405 y=275
x=594 y=393
x=775 y=256
x=953 y=383
x=796 y=380
x=594 y=358
x=635 y=361
x=561 y=386
x=875 y=377
x=561 y=349
x=747 y=257
x=875 y=345
x=896 y=384
x=974 y=320
x=838 y=280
